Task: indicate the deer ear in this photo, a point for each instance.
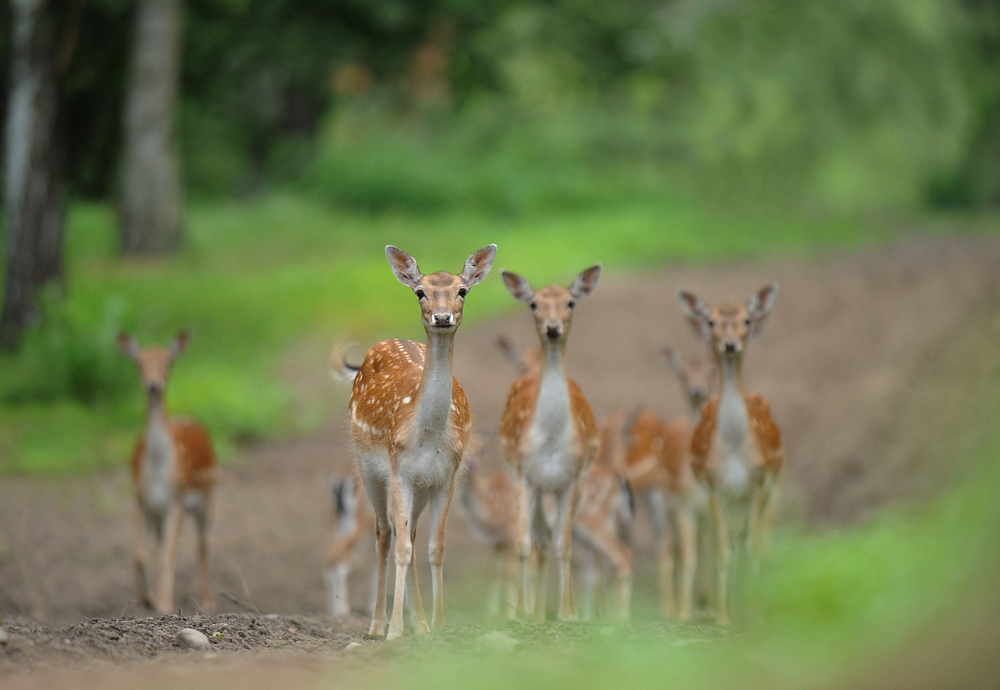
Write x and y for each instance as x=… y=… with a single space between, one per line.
x=585 y=283
x=128 y=345
x=759 y=307
x=518 y=287
x=697 y=313
x=180 y=342
x=478 y=265
x=404 y=267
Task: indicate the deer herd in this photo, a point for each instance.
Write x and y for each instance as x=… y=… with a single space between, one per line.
x=706 y=480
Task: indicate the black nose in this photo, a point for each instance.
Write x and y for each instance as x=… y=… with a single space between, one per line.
x=552 y=332
x=730 y=347
x=443 y=319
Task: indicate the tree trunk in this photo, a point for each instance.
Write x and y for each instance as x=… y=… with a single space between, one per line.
x=33 y=189
x=151 y=194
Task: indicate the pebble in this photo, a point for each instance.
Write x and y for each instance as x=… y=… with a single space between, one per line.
x=352 y=645
x=497 y=641
x=3 y=636
x=189 y=638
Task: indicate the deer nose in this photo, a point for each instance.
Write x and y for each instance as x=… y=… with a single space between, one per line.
x=154 y=386
x=730 y=346
x=553 y=331
x=444 y=319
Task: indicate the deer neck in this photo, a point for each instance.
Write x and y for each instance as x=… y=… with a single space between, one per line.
x=733 y=423
x=434 y=403
x=553 y=388
x=159 y=457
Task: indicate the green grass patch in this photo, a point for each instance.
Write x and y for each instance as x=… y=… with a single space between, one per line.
x=258 y=279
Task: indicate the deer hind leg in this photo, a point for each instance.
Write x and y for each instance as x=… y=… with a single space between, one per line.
x=168 y=559
x=687 y=533
x=526 y=499
x=200 y=505
x=440 y=505
x=601 y=539
x=139 y=556
x=383 y=540
x=664 y=551
x=418 y=619
x=400 y=512
x=590 y=577
x=722 y=554
x=565 y=508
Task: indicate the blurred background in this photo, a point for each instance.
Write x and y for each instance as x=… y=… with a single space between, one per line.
x=237 y=166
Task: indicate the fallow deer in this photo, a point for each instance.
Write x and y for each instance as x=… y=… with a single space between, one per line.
x=736 y=448
x=410 y=423
x=550 y=437
x=354 y=523
x=174 y=471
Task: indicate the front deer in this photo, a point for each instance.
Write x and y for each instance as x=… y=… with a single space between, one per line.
x=410 y=423
x=549 y=436
x=736 y=447
x=174 y=470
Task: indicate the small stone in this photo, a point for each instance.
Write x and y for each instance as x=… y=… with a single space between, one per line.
x=3 y=636
x=497 y=641
x=352 y=645
x=189 y=638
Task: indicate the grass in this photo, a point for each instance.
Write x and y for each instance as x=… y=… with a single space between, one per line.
x=278 y=278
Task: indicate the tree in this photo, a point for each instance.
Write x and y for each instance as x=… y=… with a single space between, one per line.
x=151 y=191
x=33 y=186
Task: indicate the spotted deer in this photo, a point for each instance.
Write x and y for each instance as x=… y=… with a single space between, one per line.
x=354 y=521
x=736 y=448
x=173 y=472
x=550 y=437
x=410 y=423
x=604 y=513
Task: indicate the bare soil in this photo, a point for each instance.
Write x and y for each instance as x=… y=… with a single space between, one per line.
x=873 y=362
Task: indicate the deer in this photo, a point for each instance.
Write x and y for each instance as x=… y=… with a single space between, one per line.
x=549 y=436
x=174 y=471
x=410 y=423
x=736 y=448
x=353 y=530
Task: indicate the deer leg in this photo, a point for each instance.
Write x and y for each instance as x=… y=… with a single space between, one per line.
x=168 y=560
x=525 y=511
x=589 y=578
x=139 y=556
x=565 y=508
x=383 y=540
x=201 y=516
x=440 y=504
x=601 y=539
x=401 y=509
x=543 y=536
x=688 y=542
x=418 y=619
x=722 y=554
x=664 y=551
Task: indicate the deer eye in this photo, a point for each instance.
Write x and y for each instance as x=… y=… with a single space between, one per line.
x=747 y=323
x=711 y=323
x=534 y=306
x=462 y=292
x=572 y=303
x=420 y=294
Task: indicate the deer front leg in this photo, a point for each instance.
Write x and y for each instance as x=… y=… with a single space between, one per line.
x=139 y=556
x=656 y=502
x=566 y=507
x=168 y=560
x=440 y=505
x=418 y=619
x=722 y=553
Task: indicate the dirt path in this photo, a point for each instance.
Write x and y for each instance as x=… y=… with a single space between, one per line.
x=872 y=361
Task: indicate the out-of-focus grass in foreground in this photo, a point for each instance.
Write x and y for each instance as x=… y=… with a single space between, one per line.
x=838 y=609
x=267 y=285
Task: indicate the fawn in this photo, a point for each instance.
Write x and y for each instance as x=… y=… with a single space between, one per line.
x=550 y=437
x=736 y=448
x=410 y=423
x=354 y=521
x=174 y=471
